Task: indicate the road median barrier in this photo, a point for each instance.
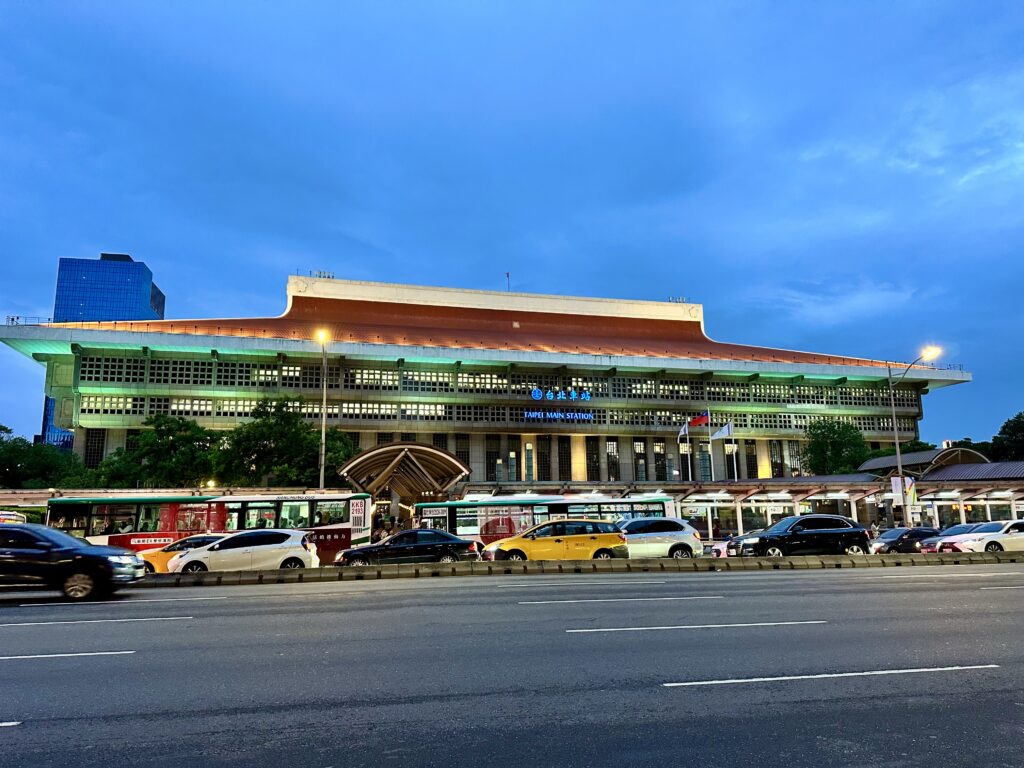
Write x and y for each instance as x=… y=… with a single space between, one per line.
x=571 y=567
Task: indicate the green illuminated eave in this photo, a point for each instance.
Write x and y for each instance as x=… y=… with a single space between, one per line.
x=129 y=500
x=540 y=501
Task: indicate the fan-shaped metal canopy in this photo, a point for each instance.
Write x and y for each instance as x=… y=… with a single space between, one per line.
x=413 y=470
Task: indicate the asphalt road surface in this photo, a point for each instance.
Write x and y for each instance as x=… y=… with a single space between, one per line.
x=894 y=668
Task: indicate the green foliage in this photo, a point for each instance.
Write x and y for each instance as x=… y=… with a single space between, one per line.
x=1008 y=444
x=911 y=446
x=279 y=447
x=833 y=448
x=984 y=447
x=27 y=465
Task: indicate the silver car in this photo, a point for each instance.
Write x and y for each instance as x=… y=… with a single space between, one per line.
x=661 y=537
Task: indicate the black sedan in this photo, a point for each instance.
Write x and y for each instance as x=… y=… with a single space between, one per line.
x=45 y=557
x=424 y=545
x=906 y=540
x=808 y=535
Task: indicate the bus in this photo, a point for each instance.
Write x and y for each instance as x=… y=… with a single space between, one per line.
x=497 y=517
x=334 y=521
x=9 y=516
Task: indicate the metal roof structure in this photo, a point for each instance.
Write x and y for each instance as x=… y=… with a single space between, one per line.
x=922 y=463
x=998 y=470
x=413 y=470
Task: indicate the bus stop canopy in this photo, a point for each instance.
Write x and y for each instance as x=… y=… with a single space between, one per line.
x=412 y=470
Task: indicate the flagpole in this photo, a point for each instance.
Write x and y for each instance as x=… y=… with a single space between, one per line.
x=735 y=451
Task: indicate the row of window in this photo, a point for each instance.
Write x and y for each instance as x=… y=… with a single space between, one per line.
x=230 y=374
x=488 y=414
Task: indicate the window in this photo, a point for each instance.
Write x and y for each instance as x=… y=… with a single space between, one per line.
x=492 y=452
x=462 y=448
x=564 y=458
x=267 y=538
x=544 y=530
x=544 y=458
x=602 y=527
x=611 y=448
x=440 y=440
x=750 y=451
x=593 y=444
x=95 y=447
x=294 y=514
x=239 y=541
x=639 y=459
x=383 y=438
x=431 y=537
x=18 y=539
x=577 y=529
x=403 y=539
x=664 y=526
x=637 y=527
x=660 y=460
x=775 y=456
x=332 y=512
x=1016 y=528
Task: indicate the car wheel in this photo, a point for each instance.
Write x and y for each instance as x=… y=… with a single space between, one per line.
x=681 y=553
x=448 y=557
x=149 y=567
x=79 y=586
x=193 y=567
x=855 y=549
x=774 y=551
x=892 y=551
x=993 y=546
x=293 y=562
x=516 y=555
x=357 y=561
x=603 y=554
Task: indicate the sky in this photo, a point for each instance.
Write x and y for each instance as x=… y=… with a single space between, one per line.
x=827 y=176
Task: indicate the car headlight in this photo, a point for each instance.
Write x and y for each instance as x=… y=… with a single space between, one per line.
x=123 y=559
x=752 y=540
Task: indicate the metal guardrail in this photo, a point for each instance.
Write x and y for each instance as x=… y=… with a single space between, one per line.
x=27 y=320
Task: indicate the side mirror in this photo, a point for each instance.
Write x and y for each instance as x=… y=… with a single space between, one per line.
x=796 y=528
x=532 y=537
x=214 y=547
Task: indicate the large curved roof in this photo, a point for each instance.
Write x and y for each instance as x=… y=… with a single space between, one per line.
x=414 y=316
x=413 y=470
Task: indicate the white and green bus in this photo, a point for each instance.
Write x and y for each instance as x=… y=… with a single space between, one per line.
x=497 y=517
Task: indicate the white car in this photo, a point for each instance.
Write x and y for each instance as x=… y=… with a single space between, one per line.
x=1007 y=535
x=661 y=537
x=249 y=551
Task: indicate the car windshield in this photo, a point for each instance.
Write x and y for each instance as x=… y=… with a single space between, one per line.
x=956 y=530
x=783 y=525
x=988 y=528
x=895 y=533
x=59 y=537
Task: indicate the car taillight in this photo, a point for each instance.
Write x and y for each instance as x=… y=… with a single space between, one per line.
x=622 y=537
x=472 y=546
x=305 y=543
x=697 y=534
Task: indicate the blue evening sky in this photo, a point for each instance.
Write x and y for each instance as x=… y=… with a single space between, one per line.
x=843 y=177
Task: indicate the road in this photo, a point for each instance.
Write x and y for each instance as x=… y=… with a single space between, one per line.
x=524 y=671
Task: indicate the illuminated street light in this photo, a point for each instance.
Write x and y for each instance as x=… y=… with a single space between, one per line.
x=928 y=354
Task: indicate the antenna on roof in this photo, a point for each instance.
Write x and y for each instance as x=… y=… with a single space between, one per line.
x=508 y=282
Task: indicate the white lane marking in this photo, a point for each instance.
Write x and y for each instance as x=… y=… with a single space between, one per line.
x=67 y=655
x=10 y=724
x=123 y=602
x=575 y=584
x=942 y=575
x=93 y=621
x=1016 y=587
x=869 y=673
x=619 y=600
x=700 y=626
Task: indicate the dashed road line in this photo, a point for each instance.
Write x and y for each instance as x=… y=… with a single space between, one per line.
x=699 y=626
x=67 y=655
x=828 y=675
x=620 y=600
x=93 y=621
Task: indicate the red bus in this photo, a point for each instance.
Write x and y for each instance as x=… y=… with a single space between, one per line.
x=335 y=521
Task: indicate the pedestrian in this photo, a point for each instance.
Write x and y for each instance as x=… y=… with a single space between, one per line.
x=874 y=529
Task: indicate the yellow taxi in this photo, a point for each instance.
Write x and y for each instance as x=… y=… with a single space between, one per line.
x=156 y=559
x=569 y=539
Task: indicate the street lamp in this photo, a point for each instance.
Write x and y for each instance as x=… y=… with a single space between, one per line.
x=323 y=337
x=928 y=354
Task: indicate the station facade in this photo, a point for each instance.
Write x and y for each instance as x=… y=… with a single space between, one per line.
x=520 y=387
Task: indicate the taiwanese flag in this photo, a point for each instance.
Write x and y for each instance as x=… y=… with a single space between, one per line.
x=701 y=420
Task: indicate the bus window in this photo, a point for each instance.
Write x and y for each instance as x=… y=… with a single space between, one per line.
x=294 y=514
x=331 y=512
x=260 y=514
x=232 y=515
x=107 y=519
x=495 y=523
x=149 y=517
x=435 y=517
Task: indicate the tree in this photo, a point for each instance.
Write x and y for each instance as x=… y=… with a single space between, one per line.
x=33 y=465
x=833 y=447
x=984 y=447
x=911 y=446
x=1008 y=444
x=279 y=447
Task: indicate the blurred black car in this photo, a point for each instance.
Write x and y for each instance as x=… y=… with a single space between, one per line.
x=423 y=545
x=808 y=535
x=40 y=556
x=906 y=540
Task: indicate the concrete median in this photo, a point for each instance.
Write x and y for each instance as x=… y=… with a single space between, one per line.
x=572 y=567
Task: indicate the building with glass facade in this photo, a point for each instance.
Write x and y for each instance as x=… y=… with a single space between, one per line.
x=112 y=287
x=521 y=387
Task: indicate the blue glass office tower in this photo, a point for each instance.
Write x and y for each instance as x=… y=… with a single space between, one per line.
x=113 y=287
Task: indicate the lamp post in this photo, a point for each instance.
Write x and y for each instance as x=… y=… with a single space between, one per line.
x=928 y=354
x=323 y=337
